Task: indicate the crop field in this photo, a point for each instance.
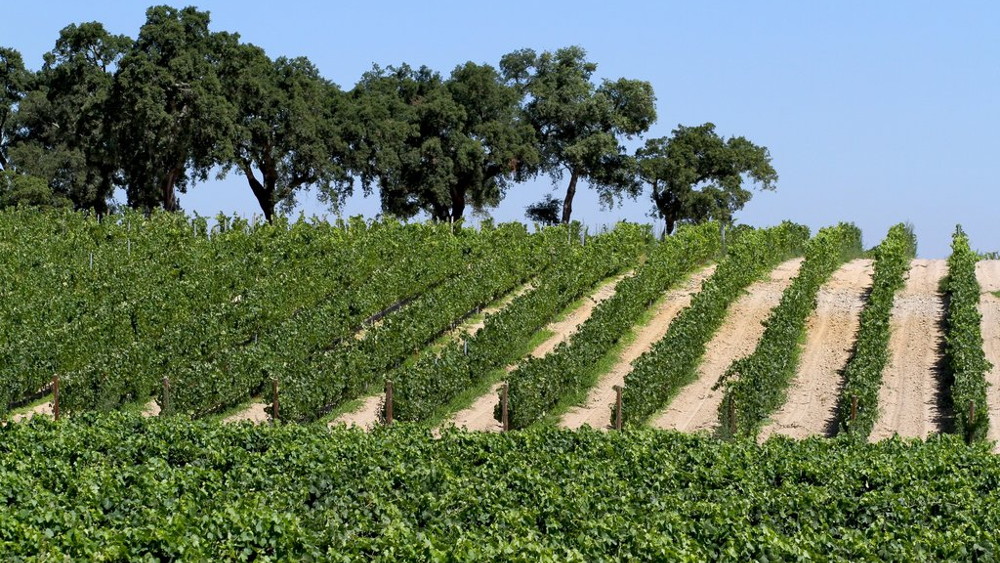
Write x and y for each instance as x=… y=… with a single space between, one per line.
x=427 y=391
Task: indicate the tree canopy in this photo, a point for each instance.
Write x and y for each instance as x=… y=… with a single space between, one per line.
x=63 y=131
x=697 y=176
x=439 y=145
x=286 y=134
x=580 y=125
x=14 y=79
x=180 y=102
x=174 y=121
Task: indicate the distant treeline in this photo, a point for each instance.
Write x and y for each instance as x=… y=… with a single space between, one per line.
x=156 y=113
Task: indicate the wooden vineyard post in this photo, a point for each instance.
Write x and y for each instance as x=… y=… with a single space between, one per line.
x=504 y=407
x=165 y=407
x=970 y=425
x=854 y=407
x=731 y=408
x=618 y=406
x=388 y=401
x=55 y=397
x=274 y=401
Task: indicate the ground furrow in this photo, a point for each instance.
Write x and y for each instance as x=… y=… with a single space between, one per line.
x=696 y=405
x=910 y=396
x=594 y=412
x=811 y=407
x=479 y=415
x=369 y=412
x=988 y=276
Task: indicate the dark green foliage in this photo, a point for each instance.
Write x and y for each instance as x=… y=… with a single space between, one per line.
x=124 y=488
x=437 y=378
x=30 y=191
x=863 y=374
x=64 y=122
x=672 y=362
x=545 y=211
x=438 y=145
x=538 y=384
x=14 y=82
x=964 y=358
x=173 y=118
x=697 y=176
x=288 y=129
x=755 y=385
x=579 y=126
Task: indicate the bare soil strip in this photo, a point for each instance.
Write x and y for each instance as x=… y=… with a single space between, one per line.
x=254 y=413
x=596 y=411
x=370 y=412
x=909 y=398
x=365 y=417
x=811 y=407
x=696 y=406
x=42 y=409
x=479 y=415
x=151 y=408
x=988 y=275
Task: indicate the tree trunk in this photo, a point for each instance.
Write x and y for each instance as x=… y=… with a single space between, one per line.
x=567 y=210
x=167 y=194
x=264 y=195
x=264 y=192
x=457 y=205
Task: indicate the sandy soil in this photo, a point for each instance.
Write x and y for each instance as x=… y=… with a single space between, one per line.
x=696 y=406
x=479 y=415
x=152 y=408
x=908 y=399
x=366 y=417
x=254 y=413
x=369 y=413
x=831 y=330
x=596 y=411
x=44 y=408
x=988 y=275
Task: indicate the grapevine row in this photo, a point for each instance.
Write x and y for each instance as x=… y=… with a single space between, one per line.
x=538 y=384
x=121 y=488
x=857 y=410
x=965 y=361
x=755 y=385
x=672 y=362
x=406 y=267
x=432 y=382
x=327 y=379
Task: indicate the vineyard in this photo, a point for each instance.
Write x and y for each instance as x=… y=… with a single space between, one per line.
x=792 y=363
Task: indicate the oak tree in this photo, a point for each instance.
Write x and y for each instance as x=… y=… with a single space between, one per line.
x=580 y=126
x=287 y=128
x=439 y=145
x=174 y=121
x=64 y=132
x=696 y=175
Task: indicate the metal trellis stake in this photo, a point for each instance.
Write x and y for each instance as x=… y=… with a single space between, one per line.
x=854 y=407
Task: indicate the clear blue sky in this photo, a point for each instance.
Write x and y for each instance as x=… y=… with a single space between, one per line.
x=874 y=112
